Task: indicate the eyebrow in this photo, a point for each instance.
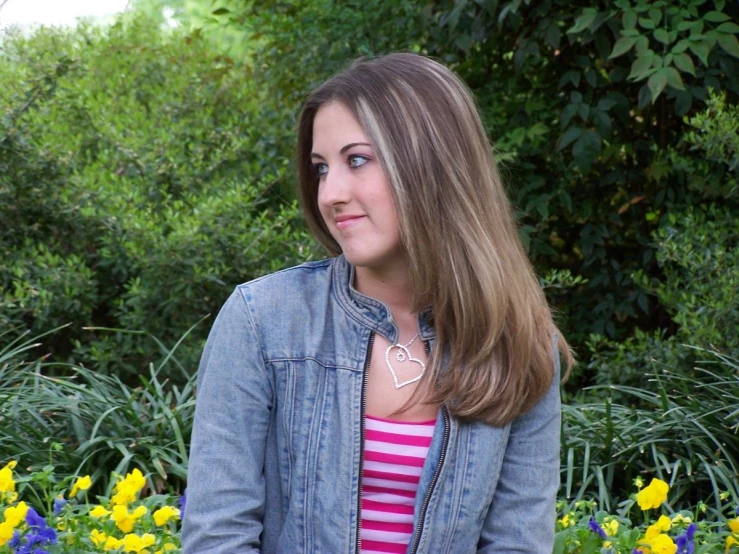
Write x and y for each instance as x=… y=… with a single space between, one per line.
x=347 y=147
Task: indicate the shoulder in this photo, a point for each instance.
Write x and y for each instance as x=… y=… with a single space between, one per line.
x=289 y=282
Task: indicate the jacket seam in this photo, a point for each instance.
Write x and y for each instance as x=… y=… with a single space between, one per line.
x=304 y=266
x=311 y=358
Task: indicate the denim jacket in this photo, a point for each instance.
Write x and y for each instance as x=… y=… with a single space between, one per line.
x=276 y=451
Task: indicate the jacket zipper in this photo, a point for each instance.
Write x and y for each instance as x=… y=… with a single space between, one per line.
x=425 y=505
x=363 y=404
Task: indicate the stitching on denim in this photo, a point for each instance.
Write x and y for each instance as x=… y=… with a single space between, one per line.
x=247 y=310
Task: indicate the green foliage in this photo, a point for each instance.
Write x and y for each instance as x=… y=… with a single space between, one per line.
x=91 y=423
x=565 y=90
x=685 y=433
x=137 y=187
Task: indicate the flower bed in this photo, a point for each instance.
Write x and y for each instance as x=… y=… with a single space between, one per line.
x=125 y=522
x=585 y=531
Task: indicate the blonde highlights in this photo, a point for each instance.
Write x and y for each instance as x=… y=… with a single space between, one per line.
x=458 y=229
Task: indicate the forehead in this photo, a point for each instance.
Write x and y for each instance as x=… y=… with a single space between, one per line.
x=335 y=123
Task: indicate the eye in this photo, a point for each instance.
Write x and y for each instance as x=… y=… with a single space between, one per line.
x=356 y=160
x=320 y=169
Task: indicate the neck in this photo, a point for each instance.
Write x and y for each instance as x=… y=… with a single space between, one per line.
x=392 y=286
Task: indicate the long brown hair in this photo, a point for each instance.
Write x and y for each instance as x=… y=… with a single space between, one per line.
x=458 y=229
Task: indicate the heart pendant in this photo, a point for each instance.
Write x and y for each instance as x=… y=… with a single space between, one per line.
x=403 y=355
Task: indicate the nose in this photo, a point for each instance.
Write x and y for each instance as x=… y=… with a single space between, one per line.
x=334 y=188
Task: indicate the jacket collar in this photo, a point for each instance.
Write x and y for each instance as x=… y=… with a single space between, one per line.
x=369 y=311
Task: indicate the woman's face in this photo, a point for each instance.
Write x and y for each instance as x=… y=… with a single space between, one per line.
x=353 y=194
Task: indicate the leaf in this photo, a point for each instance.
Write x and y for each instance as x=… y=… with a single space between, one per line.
x=553 y=35
x=602 y=123
x=220 y=11
x=655 y=15
x=662 y=36
x=683 y=101
x=640 y=66
x=700 y=49
x=673 y=78
x=646 y=23
x=680 y=47
x=583 y=21
x=642 y=44
x=590 y=77
x=728 y=27
x=629 y=19
x=567 y=114
x=587 y=146
x=730 y=44
x=684 y=63
x=568 y=137
x=622 y=46
x=716 y=17
x=605 y=104
x=657 y=83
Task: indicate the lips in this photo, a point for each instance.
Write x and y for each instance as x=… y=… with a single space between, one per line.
x=345 y=221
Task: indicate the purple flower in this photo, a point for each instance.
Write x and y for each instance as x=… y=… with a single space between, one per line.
x=39 y=534
x=595 y=528
x=58 y=505
x=35 y=520
x=684 y=542
x=16 y=540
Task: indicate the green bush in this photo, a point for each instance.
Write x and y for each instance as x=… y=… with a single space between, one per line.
x=138 y=184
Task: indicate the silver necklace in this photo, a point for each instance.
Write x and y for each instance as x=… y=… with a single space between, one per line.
x=403 y=355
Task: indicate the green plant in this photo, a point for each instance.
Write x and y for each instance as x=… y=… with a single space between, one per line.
x=139 y=183
x=93 y=423
x=684 y=431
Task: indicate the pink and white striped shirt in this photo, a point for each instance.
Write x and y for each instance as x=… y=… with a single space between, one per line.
x=394 y=453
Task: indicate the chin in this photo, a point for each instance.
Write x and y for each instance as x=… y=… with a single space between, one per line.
x=378 y=261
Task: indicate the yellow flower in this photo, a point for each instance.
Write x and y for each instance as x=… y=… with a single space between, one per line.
x=111 y=543
x=611 y=528
x=734 y=525
x=682 y=519
x=97 y=537
x=127 y=489
x=126 y=520
x=168 y=547
x=6 y=532
x=729 y=542
x=134 y=543
x=163 y=515
x=15 y=514
x=99 y=512
x=7 y=484
x=639 y=482
x=663 y=524
x=662 y=544
x=653 y=495
x=81 y=484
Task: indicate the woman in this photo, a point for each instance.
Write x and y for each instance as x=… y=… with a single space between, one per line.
x=402 y=396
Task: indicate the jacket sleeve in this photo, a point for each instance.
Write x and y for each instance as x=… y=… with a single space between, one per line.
x=226 y=486
x=521 y=517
